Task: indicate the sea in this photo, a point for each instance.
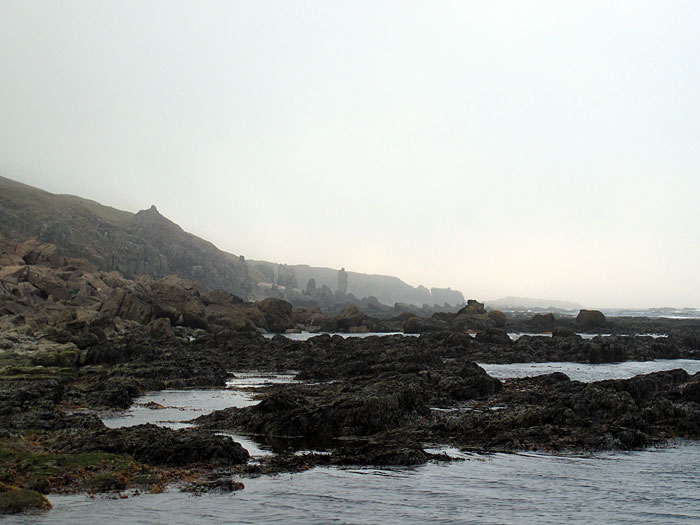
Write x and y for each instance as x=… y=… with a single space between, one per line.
x=659 y=485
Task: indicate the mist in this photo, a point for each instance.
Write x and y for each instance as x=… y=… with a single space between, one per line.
x=544 y=149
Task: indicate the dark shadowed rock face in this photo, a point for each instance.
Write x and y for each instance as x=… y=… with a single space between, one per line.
x=590 y=319
x=543 y=322
x=473 y=307
x=494 y=335
x=552 y=413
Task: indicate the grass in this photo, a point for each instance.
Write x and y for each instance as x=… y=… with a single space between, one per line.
x=40 y=203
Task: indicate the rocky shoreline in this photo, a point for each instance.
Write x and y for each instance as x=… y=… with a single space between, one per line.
x=75 y=342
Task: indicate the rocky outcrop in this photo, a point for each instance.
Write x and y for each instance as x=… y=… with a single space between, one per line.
x=145 y=243
x=342 y=281
x=71 y=296
x=590 y=319
x=552 y=413
x=543 y=322
x=418 y=325
x=472 y=317
x=160 y=446
x=277 y=313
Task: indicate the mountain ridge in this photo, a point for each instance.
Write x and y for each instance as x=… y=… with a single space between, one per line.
x=148 y=243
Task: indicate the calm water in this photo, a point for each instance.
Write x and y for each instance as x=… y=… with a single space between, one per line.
x=303 y=336
x=653 y=486
x=588 y=372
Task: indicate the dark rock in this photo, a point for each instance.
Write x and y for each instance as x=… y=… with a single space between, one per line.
x=495 y=336
x=473 y=307
x=543 y=322
x=498 y=318
x=278 y=314
x=160 y=329
x=590 y=319
x=161 y=446
x=418 y=325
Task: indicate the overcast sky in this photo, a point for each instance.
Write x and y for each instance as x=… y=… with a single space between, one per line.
x=543 y=149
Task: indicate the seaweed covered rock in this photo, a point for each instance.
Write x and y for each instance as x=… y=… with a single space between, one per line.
x=14 y=500
x=160 y=446
x=321 y=415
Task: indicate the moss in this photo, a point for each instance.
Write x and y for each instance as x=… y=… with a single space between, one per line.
x=58 y=463
x=14 y=500
x=44 y=472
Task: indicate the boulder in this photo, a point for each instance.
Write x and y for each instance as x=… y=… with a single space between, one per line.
x=473 y=307
x=351 y=316
x=47 y=283
x=543 y=322
x=590 y=319
x=160 y=329
x=495 y=336
x=278 y=314
x=33 y=251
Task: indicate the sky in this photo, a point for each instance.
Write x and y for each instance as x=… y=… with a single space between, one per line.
x=542 y=149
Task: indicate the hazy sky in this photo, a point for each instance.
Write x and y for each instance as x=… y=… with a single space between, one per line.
x=545 y=149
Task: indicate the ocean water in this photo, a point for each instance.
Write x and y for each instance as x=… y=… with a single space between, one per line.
x=660 y=485
x=591 y=372
x=303 y=336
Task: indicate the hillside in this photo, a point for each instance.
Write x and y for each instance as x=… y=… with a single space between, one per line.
x=387 y=289
x=147 y=243
x=133 y=244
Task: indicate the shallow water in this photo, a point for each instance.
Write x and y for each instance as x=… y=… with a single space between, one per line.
x=657 y=486
x=303 y=336
x=180 y=406
x=587 y=372
x=653 y=486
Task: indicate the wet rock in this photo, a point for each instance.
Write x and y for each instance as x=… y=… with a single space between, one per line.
x=160 y=446
x=381 y=453
x=494 y=336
